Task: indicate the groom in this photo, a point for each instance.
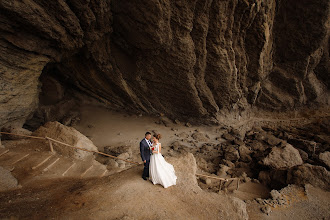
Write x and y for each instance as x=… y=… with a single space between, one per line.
x=145 y=145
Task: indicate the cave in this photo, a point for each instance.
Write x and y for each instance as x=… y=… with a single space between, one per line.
x=239 y=90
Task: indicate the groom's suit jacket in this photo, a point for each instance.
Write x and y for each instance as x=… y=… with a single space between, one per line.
x=144 y=150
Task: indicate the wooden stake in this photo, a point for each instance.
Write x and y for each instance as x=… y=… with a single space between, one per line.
x=220 y=185
x=50 y=145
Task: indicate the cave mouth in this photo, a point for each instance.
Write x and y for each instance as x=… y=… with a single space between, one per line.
x=59 y=98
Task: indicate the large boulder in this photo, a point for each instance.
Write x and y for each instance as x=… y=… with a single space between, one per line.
x=325 y=158
x=69 y=136
x=239 y=208
x=185 y=169
x=283 y=157
x=7 y=180
x=315 y=175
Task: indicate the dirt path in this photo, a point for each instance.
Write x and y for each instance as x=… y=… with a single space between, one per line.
x=124 y=195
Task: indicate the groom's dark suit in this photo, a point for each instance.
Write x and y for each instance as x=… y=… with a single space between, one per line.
x=145 y=156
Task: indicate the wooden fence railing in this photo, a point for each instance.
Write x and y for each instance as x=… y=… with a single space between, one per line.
x=51 y=140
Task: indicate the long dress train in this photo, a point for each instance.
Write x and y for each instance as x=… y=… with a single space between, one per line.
x=160 y=171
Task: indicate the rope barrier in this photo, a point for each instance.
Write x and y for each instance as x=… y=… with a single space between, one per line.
x=59 y=142
x=91 y=151
x=108 y=155
x=35 y=137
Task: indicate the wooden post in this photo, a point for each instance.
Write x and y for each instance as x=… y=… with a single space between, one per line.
x=50 y=145
x=220 y=185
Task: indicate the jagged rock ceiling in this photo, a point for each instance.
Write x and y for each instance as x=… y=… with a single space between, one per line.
x=186 y=59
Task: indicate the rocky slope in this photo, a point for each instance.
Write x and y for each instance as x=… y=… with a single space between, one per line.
x=186 y=59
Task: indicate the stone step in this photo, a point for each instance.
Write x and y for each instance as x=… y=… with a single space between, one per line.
x=32 y=165
x=99 y=170
x=3 y=152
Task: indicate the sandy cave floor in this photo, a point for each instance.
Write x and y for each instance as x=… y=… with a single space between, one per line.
x=121 y=195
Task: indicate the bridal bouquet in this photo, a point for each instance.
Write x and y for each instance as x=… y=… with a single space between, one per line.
x=152 y=148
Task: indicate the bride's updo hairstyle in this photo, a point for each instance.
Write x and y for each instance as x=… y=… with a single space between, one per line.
x=158 y=136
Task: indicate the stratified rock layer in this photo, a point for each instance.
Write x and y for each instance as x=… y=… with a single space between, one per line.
x=186 y=59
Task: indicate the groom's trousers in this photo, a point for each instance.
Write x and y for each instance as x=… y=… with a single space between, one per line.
x=146 y=169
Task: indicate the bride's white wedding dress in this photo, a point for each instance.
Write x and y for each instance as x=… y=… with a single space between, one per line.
x=160 y=171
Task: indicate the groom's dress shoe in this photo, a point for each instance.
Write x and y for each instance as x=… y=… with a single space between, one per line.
x=144 y=178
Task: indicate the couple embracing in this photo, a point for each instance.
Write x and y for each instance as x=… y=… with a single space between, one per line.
x=155 y=166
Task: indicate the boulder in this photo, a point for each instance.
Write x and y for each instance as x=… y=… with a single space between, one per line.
x=258 y=146
x=283 y=157
x=309 y=174
x=185 y=169
x=272 y=140
x=239 y=208
x=266 y=209
x=222 y=172
x=325 y=158
x=228 y=163
x=117 y=150
x=206 y=180
x=228 y=137
x=198 y=136
x=238 y=133
x=244 y=153
x=124 y=156
x=231 y=153
x=7 y=180
x=324 y=139
x=238 y=142
x=183 y=135
x=307 y=146
x=69 y=136
x=261 y=136
x=303 y=154
x=121 y=164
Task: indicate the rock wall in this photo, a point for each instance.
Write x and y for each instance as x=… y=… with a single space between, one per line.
x=186 y=59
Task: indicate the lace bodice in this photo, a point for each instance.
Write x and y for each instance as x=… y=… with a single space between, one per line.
x=156 y=147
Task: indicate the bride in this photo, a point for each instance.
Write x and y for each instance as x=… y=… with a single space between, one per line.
x=160 y=172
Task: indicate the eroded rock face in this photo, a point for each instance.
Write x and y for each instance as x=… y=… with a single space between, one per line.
x=193 y=59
